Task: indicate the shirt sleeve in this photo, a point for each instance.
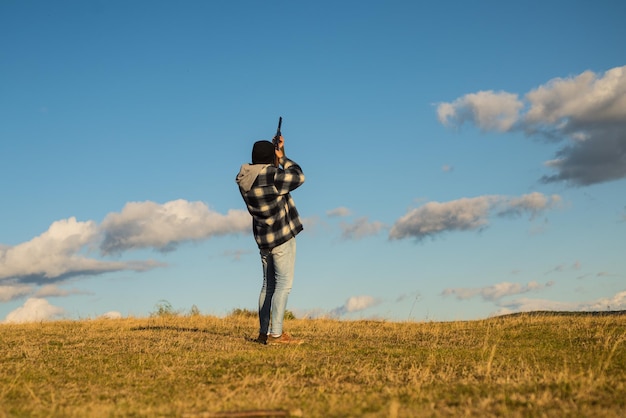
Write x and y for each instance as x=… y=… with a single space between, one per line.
x=289 y=178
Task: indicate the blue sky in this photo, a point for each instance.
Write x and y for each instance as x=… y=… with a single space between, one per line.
x=463 y=159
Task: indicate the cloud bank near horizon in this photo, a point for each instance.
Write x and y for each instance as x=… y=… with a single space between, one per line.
x=500 y=294
x=34 y=310
x=72 y=249
x=37 y=309
x=616 y=302
x=587 y=112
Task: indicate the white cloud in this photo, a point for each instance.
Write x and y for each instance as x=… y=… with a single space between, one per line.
x=34 y=310
x=360 y=228
x=111 y=315
x=532 y=203
x=52 y=253
x=339 y=212
x=163 y=226
x=359 y=303
x=496 y=291
x=62 y=252
x=355 y=304
x=57 y=254
x=580 y=99
x=435 y=217
x=588 y=111
x=467 y=214
x=491 y=111
x=615 y=303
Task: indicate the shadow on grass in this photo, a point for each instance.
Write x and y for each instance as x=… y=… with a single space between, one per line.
x=171 y=328
x=194 y=330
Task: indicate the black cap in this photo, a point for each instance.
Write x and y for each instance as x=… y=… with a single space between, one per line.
x=263 y=153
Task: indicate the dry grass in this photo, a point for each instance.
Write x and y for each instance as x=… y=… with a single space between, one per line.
x=528 y=365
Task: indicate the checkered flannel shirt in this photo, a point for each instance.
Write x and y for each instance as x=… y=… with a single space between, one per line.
x=275 y=219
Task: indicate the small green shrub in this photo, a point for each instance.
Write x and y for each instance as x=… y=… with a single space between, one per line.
x=249 y=313
x=243 y=313
x=164 y=309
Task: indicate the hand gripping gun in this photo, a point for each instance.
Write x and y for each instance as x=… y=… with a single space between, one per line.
x=276 y=139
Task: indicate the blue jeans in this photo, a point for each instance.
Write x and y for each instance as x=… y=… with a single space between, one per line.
x=278 y=269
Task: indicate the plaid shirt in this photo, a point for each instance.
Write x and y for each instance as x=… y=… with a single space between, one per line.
x=275 y=219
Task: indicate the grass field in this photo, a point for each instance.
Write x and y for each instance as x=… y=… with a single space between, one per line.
x=199 y=366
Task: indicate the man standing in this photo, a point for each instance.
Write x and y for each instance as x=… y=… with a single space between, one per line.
x=265 y=188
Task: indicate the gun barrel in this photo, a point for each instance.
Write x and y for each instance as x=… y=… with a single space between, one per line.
x=278 y=134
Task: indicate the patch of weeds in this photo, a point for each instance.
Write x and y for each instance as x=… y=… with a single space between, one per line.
x=164 y=309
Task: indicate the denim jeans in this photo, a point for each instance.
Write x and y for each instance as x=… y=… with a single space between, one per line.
x=278 y=269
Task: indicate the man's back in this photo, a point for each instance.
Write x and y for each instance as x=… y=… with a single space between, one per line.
x=266 y=192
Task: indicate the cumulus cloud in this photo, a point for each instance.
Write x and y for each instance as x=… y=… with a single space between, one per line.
x=615 y=303
x=66 y=249
x=496 y=291
x=360 y=228
x=34 y=310
x=57 y=255
x=533 y=204
x=163 y=226
x=467 y=214
x=586 y=111
x=578 y=100
x=489 y=110
x=435 y=217
x=355 y=304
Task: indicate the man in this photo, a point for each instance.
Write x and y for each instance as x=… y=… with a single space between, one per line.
x=265 y=188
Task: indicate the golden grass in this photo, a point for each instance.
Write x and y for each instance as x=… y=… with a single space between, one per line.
x=195 y=366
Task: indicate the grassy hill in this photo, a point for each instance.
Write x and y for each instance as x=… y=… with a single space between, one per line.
x=197 y=366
